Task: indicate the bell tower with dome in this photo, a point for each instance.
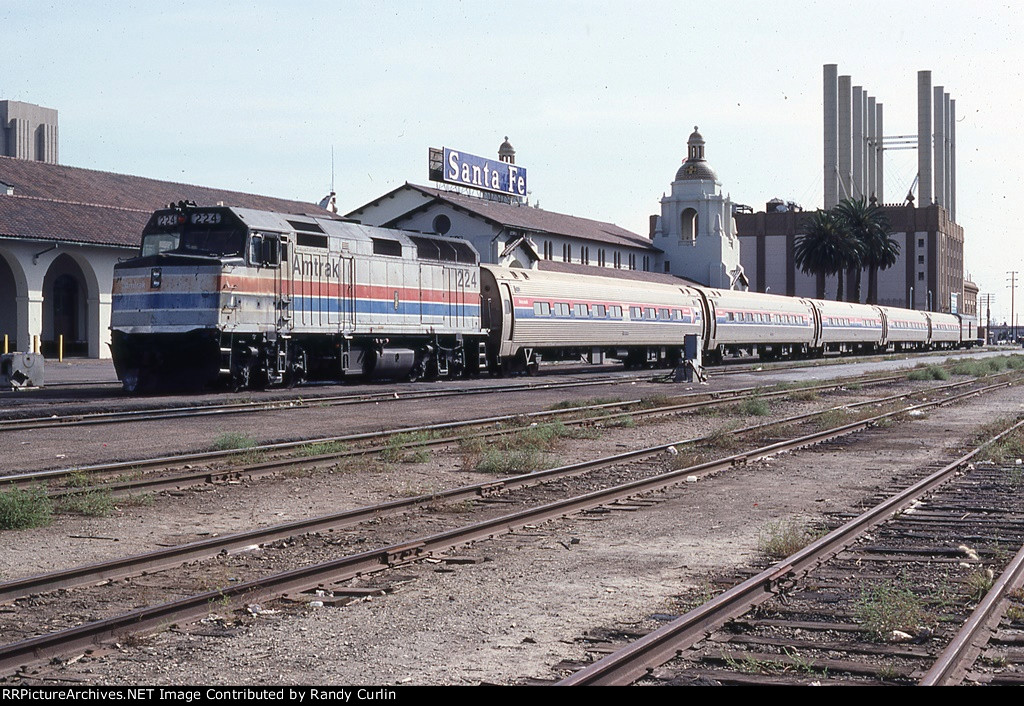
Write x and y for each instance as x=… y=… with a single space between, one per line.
x=696 y=230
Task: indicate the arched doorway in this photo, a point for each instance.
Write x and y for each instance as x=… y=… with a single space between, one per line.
x=8 y=306
x=64 y=309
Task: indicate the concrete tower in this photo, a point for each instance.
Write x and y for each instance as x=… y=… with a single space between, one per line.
x=28 y=131
x=696 y=230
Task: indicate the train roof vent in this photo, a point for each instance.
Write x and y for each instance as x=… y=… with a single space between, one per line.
x=308 y=227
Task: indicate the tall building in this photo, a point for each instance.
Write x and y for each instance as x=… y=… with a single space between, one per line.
x=695 y=230
x=28 y=131
x=929 y=273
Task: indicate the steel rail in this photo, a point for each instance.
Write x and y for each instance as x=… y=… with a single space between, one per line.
x=207 y=456
x=255 y=470
x=15 y=655
x=145 y=415
x=150 y=561
x=635 y=660
x=953 y=662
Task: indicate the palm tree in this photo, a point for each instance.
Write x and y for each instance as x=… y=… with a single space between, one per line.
x=870 y=226
x=825 y=248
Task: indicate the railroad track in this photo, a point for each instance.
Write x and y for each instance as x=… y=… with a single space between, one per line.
x=311 y=398
x=275 y=458
x=870 y=602
x=294 y=582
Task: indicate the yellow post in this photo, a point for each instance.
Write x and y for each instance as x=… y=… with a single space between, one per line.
x=60 y=348
x=5 y=345
x=35 y=344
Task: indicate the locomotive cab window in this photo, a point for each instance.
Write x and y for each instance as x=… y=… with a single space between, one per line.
x=215 y=232
x=265 y=249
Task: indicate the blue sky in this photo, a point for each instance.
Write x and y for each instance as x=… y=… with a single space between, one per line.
x=598 y=98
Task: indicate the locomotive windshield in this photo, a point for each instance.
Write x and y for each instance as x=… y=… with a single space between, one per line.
x=194 y=232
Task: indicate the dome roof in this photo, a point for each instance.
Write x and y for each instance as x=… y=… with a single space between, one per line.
x=695 y=170
x=695 y=166
x=506 y=149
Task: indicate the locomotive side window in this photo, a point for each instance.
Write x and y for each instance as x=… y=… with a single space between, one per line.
x=581 y=310
x=600 y=311
x=541 y=309
x=382 y=246
x=616 y=311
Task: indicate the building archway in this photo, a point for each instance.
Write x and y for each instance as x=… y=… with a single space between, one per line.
x=9 y=294
x=688 y=222
x=65 y=310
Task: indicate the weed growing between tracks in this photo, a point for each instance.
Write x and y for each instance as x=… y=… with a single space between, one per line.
x=986 y=366
x=979 y=582
x=231 y=440
x=930 y=372
x=25 y=508
x=755 y=407
x=92 y=503
x=780 y=539
x=593 y=401
x=522 y=451
x=891 y=605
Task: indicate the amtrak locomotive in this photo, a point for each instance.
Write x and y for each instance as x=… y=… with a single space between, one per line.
x=246 y=298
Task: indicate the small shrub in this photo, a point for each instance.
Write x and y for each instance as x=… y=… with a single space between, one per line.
x=510 y=461
x=322 y=448
x=24 y=509
x=979 y=582
x=889 y=606
x=754 y=406
x=593 y=401
x=93 y=503
x=931 y=372
x=780 y=539
x=233 y=440
x=831 y=418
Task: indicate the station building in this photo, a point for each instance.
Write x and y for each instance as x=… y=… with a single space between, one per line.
x=694 y=238
x=62 y=230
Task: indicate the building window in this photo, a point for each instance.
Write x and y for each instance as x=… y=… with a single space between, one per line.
x=585 y=255
x=442 y=224
x=566 y=252
x=647 y=263
x=668 y=266
x=600 y=257
x=618 y=259
x=920 y=259
x=920 y=242
x=632 y=261
x=549 y=250
x=920 y=276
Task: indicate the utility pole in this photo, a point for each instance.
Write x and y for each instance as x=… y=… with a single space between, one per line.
x=1013 y=290
x=987 y=299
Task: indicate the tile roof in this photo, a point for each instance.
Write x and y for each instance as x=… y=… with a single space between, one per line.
x=575 y=268
x=539 y=220
x=57 y=202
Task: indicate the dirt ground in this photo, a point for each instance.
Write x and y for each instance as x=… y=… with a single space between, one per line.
x=522 y=607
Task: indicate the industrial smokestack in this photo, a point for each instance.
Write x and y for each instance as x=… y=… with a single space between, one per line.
x=857 y=153
x=924 y=138
x=939 y=146
x=831 y=102
x=952 y=160
x=872 y=153
x=879 y=154
x=845 y=138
